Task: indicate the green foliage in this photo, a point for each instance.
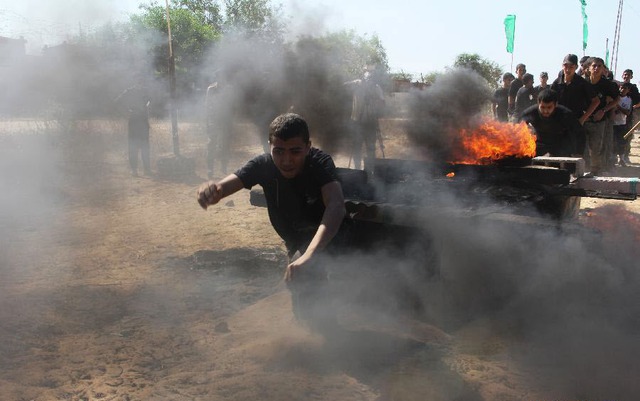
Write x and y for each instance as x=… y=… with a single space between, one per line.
x=255 y=19
x=208 y=12
x=401 y=76
x=191 y=36
x=429 y=78
x=353 y=52
x=487 y=69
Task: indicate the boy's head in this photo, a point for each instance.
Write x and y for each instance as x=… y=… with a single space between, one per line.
x=527 y=80
x=596 y=67
x=507 y=78
x=289 y=143
x=625 y=88
x=544 y=76
x=287 y=126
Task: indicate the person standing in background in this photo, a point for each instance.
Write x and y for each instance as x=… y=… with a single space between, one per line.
x=135 y=101
x=500 y=103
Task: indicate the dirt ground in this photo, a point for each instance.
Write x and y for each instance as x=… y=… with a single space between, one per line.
x=114 y=287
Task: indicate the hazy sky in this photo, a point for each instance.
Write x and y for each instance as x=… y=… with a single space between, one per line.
x=420 y=36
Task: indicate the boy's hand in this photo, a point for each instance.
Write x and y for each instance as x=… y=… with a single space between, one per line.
x=209 y=194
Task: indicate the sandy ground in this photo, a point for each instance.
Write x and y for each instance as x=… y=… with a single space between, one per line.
x=115 y=287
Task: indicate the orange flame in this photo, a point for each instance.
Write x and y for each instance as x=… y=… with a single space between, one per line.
x=493 y=140
x=451 y=174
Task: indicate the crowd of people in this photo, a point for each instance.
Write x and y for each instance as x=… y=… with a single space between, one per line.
x=585 y=112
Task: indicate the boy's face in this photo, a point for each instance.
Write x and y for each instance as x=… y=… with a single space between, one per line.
x=624 y=91
x=596 y=69
x=289 y=156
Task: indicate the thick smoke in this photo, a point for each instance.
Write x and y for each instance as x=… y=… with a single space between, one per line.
x=454 y=101
x=567 y=294
x=270 y=79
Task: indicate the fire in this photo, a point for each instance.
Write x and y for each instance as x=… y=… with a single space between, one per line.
x=451 y=174
x=493 y=140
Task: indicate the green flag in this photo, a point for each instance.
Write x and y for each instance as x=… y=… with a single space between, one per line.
x=510 y=31
x=585 y=28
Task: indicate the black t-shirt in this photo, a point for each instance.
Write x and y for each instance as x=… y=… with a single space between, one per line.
x=576 y=96
x=515 y=85
x=634 y=94
x=605 y=88
x=556 y=134
x=295 y=205
x=501 y=100
x=524 y=99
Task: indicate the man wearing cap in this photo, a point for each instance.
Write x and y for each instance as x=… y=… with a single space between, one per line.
x=575 y=93
x=608 y=95
x=544 y=79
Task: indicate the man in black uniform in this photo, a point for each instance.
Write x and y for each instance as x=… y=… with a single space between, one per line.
x=627 y=76
x=526 y=96
x=517 y=83
x=555 y=126
x=304 y=201
x=608 y=95
x=500 y=104
x=575 y=93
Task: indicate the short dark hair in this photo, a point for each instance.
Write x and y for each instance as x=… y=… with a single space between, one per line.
x=547 y=96
x=627 y=85
x=287 y=126
x=596 y=59
x=628 y=71
x=507 y=75
x=521 y=66
x=527 y=77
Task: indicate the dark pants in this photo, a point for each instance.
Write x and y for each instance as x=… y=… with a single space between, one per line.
x=364 y=133
x=139 y=142
x=218 y=147
x=631 y=120
x=620 y=144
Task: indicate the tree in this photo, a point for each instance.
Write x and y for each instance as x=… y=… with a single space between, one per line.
x=351 y=52
x=255 y=19
x=191 y=35
x=209 y=11
x=489 y=70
